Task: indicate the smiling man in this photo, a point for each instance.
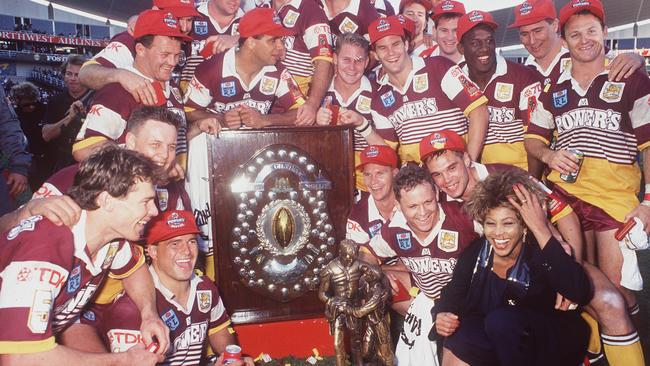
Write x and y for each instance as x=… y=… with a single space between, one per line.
x=50 y=273
x=445 y=17
x=427 y=236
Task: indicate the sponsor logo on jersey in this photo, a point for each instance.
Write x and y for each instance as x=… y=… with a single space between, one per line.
x=228 y=89
x=163 y=198
x=470 y=88
x=388 y=99
x=429 y=264
x=27 y=224
x=201 y=27
x=583 y=102
x=560 y=99
x=425 y=107
x=420 y=83
x=121 y=340
x=74 y=280
x=374 y=229
x=448 y=241
x=268 y=85
x=426 y=251
x=503 y=92
x=170 y=318
x=290 y=19
x=404 y=240
x=606 y=120
x=501 y=115
x=363 y=104
x=612 y=92
x=204 y=300
x=194 y=334
x=348 y=25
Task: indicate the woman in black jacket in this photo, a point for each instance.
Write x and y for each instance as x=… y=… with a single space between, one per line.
x=500 y=307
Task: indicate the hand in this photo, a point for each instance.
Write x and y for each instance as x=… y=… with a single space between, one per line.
x=446 y=324
x=531 y=212
x=17 y=183
x=75 y=109
x=61 y=210
x=624 y=65
x=247 y=361
x=151 y=327
x=210 y=126
x=324 y=116
x=176 y=172
x=643 y=213
x=563 y=304
x=140 y=88
x=563 y=161
x=429 y=40
x=306 y=114
x=350 y=117
x=232 y=118
x=138 y=355
x=251 y=117
x=221 y=43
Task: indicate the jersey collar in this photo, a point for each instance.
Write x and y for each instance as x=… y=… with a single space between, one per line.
x=530 y=61
x=398 y=220
x=566 y=75
x=167 y=87
x=364 y=86
x=417 y=64
x=352 y=8
x=373 y=211
x=502 y=69
x=81 y=249
x=230 y=69
x=169 y=295
x=203 y=9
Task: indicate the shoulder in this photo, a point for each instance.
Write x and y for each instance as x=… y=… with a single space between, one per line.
x=38 y=239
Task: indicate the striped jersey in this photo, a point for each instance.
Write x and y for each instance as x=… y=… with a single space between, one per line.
x=48 y=278
x=430 y=261
x=119 y=53
x=437 y=95
x=365 y=221
x=609 y=122
x=355 y=18
x=512 y=89
x=189 y=324
x=560 y=63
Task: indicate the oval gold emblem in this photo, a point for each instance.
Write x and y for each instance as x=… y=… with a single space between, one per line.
x=283 y=226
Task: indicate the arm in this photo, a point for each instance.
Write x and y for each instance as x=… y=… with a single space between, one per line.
x=320 y=81
x=220 y=339
x=560 y=160
x=251 y=117
x=83 y=337
x=12 y=139
x=139 y=287
x=201 y=120
x=51 y=131
x=478 y=124
x=64 y=356
x=84 y=153
x=624 y=65
x=95 y=76
x=61 y=210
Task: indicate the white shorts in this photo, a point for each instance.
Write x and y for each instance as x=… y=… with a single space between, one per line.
x=414 y=347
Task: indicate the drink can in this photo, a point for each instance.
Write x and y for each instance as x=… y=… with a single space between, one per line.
x=231 y=354
x=573 y=176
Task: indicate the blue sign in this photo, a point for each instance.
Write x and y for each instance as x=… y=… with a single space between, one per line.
x=560 y=99
x=404 y=241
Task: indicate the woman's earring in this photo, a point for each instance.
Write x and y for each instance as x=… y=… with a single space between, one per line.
x=525 y=233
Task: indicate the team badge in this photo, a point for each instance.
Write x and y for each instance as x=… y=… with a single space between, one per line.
x=74 y=280
x=290 y=19
x=323 y=46
x=565 y=63
x=24 y=225
x=612 y=92
x=374 y=229
x=404 y=241
x=268 y=85
x=448 y=241
x=201 y=27
x=420 y=83
x=163 y=198
x=89 y=315
x=204 y=299
x=112 y=250
x=470 y=88
x=228 y=89
x=388 y=99
x=583 y=102
x=170 y=318
x=560 y=99
x=503 y=92
x=363 y=104
x=348 y=25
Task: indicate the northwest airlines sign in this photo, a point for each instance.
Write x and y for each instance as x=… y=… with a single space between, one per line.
x=45 y=38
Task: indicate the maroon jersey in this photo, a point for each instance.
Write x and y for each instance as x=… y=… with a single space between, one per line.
x=384 y=8
x=47 y=278
x=511 y=92
x=203 y=27
x=437 y=95
x=549 y=76
x=119 y=53
x=312 y=40
x=112 y=107
x=365 y=221
x=171 y=196
x=431 y=262
x=355 y=18
x=189 y=324
x=217 y=86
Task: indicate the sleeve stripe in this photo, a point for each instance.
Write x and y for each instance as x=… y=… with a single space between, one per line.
x=219 y=327
x=89 y=62
x=323 y=58
x=644 y=146
x=130 y=272
x=475 y=104
x=14 y=347
x=537 y=137
x=87 y=142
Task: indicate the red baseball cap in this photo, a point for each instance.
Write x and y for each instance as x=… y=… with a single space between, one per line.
x=180 y=8
x=574 y=6
x=425 y=3
x=262 y=21
x=158 y=23
x=407 y=24
x=471 y=20
x=533 y=11
x=171 y=224
x=441 y=140
x=378 y=154
x=448 y=7
x=382 y=27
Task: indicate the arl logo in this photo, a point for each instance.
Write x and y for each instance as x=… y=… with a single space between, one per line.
x=404 y=241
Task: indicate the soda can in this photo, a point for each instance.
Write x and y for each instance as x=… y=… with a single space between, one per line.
x=573 y=176
x=231 y=354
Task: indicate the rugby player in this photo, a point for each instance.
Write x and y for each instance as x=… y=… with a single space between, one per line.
x=445 y=17
x=50 y=273
x=349 y=16
x=158 y=42
x=190 y=305
x=417 y=11
x=604 y=194
x=416 y=96
x=427 y=236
